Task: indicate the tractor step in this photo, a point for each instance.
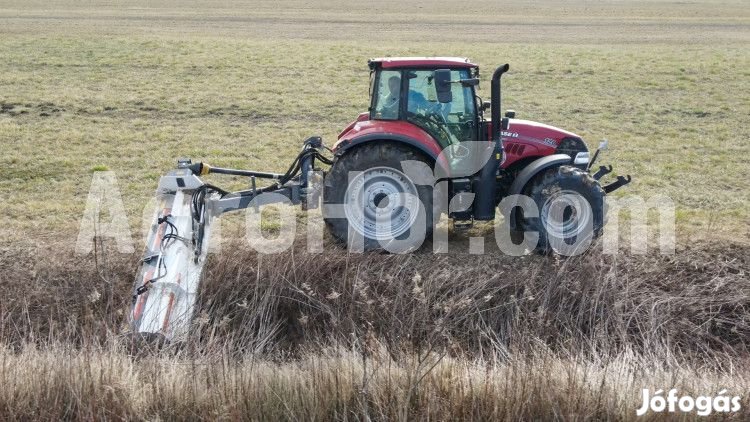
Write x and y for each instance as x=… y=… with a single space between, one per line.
x=463 y=224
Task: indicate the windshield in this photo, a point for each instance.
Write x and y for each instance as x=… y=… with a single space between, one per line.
x=449 y=123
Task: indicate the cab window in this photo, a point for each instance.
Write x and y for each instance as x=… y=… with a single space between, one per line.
x=388 y=98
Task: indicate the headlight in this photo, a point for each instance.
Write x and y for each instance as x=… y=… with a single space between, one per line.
x=571 y=146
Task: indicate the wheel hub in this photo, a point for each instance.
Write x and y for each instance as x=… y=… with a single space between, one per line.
x=381 y=203
x=566 y=214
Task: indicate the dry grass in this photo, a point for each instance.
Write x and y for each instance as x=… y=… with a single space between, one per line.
x=336 y=336
x=60 y=383
x=688 y=307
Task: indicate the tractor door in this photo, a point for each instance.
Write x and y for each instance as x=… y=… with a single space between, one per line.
x=449 y=123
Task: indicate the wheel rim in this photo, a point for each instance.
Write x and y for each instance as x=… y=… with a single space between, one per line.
x=381 y=203
x=566 y=214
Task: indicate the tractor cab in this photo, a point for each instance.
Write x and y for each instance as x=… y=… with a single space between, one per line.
x=435 y=94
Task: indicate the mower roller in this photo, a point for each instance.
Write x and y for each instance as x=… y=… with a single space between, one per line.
x=424 y=113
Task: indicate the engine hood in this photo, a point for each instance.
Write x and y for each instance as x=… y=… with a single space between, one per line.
x=528 y=131
x=526 y=140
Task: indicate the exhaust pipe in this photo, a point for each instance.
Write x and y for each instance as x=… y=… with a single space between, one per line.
x=485 y=184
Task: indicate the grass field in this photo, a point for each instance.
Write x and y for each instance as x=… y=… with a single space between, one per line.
x=130 y=88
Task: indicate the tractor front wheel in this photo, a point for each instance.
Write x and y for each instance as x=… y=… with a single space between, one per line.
x=380 y=204
x=570 y=207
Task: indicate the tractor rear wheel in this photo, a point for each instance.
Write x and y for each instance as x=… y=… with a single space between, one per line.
x=571 y=209
x=381 y=204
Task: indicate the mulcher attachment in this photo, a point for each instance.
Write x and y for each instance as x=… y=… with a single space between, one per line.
x=166 y=287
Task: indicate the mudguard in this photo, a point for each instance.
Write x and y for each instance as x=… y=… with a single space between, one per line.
x=363 y=131
x=528 y=173
x=429 y=150
x=428 y=147
x=541 y=164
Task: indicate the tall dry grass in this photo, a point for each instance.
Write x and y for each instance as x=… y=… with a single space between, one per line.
x=367 y=336
x=66 y=383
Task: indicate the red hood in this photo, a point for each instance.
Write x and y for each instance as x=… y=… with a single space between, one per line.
x=526 y=139
x=534 y=131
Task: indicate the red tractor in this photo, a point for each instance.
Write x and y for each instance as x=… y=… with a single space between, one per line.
x=420 y=107
x=424 y=149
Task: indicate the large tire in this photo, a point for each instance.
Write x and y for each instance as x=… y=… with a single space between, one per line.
x=555 y=191
x=373 y=194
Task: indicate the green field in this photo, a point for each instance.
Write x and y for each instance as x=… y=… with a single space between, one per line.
x=335 y=336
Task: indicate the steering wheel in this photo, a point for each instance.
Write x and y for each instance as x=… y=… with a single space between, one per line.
x=438 y=113
x=431 y=121
x=433 y=112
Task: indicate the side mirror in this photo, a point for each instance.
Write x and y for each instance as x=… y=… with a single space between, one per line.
x=443 y=85
x=510 y=114
x=486 y=105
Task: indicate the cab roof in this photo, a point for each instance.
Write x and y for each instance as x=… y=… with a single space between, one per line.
x=400 y=62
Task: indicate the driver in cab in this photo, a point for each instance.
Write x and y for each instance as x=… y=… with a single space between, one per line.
x=389 y=109
x=417 y=102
